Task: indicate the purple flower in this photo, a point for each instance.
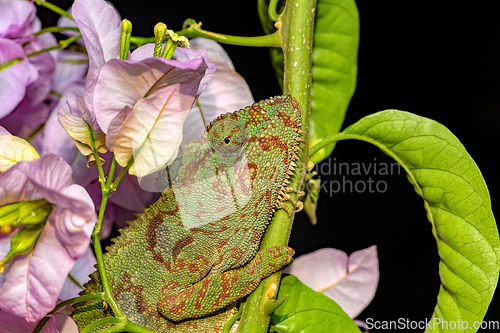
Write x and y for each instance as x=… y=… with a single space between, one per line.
x=70 y=119
x=123 y=204
x=58 y=323
x=18 y=19
x=14 y=78
x=68 y=81
x=38 y=91
x=71 y=67
x=66 y=22
x=146 y=99
x=31 y=283
x=351 y=281
x=22 y=116
x=226 y=92
x=100 y=27
x=147 y=103
x=81 y=271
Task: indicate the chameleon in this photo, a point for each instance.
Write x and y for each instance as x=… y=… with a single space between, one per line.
x=187 y=261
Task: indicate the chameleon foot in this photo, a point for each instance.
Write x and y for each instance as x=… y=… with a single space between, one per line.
x=295 y=201
x=300 y=194
x=270 y=260
x=221 y=289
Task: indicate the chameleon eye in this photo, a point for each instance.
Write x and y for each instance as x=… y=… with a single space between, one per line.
x=227 y=136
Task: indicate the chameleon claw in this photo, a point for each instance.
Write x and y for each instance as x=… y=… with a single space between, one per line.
x=300 y=193
x=297 y=204
x=299 y=207
x=285 y=207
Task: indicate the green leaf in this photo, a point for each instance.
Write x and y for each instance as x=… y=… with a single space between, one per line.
x=25 y=213
x=306 y=310
x=334 y=66
x=458 y=206
x=22 y=242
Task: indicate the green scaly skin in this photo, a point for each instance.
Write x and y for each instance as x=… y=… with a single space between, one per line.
x=169 y=276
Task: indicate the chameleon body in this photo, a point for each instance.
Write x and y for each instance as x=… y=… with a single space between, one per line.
x=183 y=264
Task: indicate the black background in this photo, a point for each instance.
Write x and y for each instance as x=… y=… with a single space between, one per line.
x=436 y=59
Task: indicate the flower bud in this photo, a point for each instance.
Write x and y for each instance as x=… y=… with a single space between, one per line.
x=22 y=242
x=24 y=213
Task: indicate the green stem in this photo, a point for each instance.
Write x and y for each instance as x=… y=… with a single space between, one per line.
x=75 y=281
x=10 y=63
x=56 y=29
x=102 y=209
x=131 y=327
x=35 y=132
x=54 y=8
x=111 y=173
x=93 y=147
x=55 y=93
x=120 y=176
x=122 y=325
x=103 y=321
x=194 y=30
x=77 y=299
x=297 y=25
x=271 y=10
x=106 y=191
x=326 y=141
x=108 y=296
x=232 y=320
x=61 y=45
x=139 y=41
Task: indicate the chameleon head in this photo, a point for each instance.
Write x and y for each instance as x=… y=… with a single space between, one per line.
x=245 y=157
x=264 y=136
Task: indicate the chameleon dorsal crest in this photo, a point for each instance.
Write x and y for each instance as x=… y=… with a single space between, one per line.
x=184 y=263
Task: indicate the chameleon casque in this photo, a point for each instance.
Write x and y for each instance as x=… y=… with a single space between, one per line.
x=185 y=263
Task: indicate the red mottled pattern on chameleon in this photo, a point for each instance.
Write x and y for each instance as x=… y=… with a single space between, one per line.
x=172 y=277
